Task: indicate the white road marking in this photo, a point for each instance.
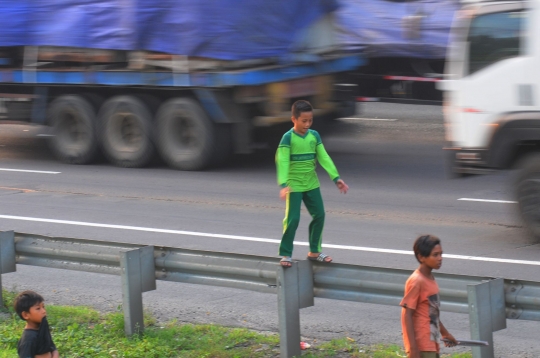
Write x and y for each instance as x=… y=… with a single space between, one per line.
x=28 y=171
x=371 y=119
x=44 y=135
x=259 y=239
x=489 y=201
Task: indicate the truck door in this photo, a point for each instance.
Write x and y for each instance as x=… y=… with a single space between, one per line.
x=491 y=71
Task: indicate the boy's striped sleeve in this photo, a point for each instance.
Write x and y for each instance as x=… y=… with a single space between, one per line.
x=283 y=160
x=324 y=159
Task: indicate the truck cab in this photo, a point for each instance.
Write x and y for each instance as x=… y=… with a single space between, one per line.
x=492 y=96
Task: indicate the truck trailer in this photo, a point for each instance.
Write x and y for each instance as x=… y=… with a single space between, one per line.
x=405 y=44
x=191 y=80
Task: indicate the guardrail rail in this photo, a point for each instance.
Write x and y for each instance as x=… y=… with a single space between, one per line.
x=488 y=301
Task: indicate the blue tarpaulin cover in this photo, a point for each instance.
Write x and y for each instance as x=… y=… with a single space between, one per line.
x=226 y=29
x=381 y=27
x=105 y=24
x=220 y=29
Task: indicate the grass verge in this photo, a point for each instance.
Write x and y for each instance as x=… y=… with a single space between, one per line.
x=83 y=332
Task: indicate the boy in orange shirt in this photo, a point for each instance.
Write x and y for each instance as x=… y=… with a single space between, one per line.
x=422 y=328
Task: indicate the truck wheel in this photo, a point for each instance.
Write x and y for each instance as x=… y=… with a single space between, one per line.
x=185 y=135
x=528 y=193
x=73 y=119
x=126 y=132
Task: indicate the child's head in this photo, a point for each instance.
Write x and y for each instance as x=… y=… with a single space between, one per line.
x=299 y=107
x=30 y=307
x=302 y=116
x=427 y=250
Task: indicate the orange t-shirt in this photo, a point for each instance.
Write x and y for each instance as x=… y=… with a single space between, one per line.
x=422 y=295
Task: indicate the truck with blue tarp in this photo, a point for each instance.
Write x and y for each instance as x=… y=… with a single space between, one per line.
x=404 y=42
x=190 y=80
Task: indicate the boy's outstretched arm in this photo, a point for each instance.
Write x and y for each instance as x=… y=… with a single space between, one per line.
x=328 y=164
x=446 y=335
x=414 y=352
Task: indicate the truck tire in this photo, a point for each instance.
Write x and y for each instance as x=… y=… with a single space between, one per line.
x=73 y=122
x=186 y=136
x=527 y=186
x=126 y=132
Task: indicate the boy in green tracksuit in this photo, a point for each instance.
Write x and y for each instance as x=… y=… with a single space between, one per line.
x=296 y=160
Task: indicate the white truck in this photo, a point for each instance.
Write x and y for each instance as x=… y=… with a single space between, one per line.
x=492 y=96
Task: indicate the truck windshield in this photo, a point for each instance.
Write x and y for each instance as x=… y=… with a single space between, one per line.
x=494 y=37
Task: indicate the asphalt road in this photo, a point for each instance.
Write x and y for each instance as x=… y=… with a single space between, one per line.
x=389 y=154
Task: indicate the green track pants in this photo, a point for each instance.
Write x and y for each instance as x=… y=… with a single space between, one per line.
x=314 y=204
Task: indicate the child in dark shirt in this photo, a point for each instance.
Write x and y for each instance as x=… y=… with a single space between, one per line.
x=36 y=340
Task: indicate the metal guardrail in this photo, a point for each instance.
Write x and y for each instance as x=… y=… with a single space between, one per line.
x=254 y=273
x=488 y=301
x=385 y=286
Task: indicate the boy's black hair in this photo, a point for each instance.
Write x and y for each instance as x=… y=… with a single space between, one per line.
x=25 y=300
x=300 y=106
x=424 y=245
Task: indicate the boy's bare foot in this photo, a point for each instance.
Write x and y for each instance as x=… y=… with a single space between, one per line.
x=319 y=256
x=286 y=261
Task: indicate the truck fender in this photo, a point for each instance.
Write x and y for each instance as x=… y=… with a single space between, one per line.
x=510 y=130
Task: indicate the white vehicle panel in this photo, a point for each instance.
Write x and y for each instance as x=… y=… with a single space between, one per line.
x=484 y=96
x=489 y=65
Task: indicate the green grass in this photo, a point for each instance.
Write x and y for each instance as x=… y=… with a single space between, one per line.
x=347 y=347
x=83 y=332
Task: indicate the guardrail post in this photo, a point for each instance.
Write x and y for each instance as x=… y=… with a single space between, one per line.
x=138 y=276
x=498 y=304
x=288 y=311
x=487 y=314
x=7 y=256
x=295 y=291
x=306 y=295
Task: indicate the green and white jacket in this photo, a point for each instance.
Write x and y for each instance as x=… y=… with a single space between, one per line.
x=296 y=160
